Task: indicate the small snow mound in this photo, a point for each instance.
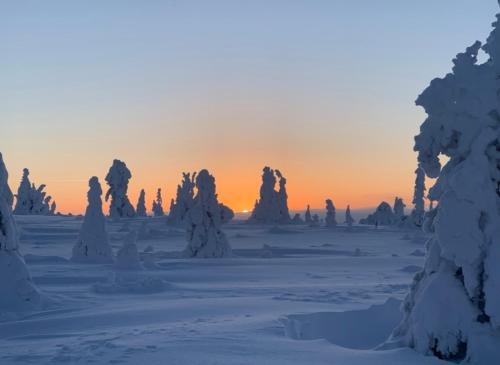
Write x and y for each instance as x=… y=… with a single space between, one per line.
x=411 y=269
x=418 y=253
x=132 y=285
x=358 y=329
x=266 y=254
x=127 y=257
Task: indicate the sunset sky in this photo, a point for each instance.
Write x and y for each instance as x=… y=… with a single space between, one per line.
x=322 y=90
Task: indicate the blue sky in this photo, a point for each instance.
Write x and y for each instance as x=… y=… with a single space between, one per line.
x=323 y=90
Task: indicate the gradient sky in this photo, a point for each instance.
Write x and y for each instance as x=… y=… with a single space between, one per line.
x=322 y=90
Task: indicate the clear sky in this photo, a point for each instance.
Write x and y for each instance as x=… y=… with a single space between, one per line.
x=322 y=90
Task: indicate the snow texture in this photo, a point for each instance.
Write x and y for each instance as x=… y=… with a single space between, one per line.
x=92 y=245
x=17 y=290
x=453 y=308
x=117 y=178
x=204 y=221
x=272 y=206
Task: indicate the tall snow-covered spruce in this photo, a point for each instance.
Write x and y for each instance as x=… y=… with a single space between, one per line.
x=23 y=201
x=453 y=308
x=92 y=245
x=158 y=205
x=204 y=221
x=117 y=178
x=399 y=210
x=330 y=220
x=141 y=204
x=307 y=215
x=32 y=200
x=272 y=207
x=183 y=200
x=418 y=212
x=349 y=220
x=17 y=290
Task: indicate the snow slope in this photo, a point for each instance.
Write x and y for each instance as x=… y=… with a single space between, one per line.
x=331 y=283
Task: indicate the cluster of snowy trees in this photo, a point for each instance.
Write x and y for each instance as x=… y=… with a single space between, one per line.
x=272 y=206
x=33 y=200
x=203 y=220
x=453 y=308
x=385 y=215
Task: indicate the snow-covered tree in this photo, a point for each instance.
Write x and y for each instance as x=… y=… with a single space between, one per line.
x=284 y=213
x=307 y=216
x=349 y=220
x=32 y=200
x=204 y=221
x=23 y=196
x=92 y=245
x=158 y=205
x=418 y=212
x=383 y=216
x=272 y=207
x=399 y=210
x=330 y=218
x=127 y=257
x=17 y=290
x=453 y=308
x=53 y=208
x=183 y=200
x=140 y=210
x=117 y=178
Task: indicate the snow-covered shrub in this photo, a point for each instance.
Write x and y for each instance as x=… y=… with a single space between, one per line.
x=127 y=257
x=349 y=220
x=92 y=245
x=183 y=200
x=117 y=178
x=453 y=308
x=158 y=205
x=297 y=219
x=17 y=290
x=383 y=216
x=140 y=210
x=330 y=220
x=272 y=207
x=315 y=221
x=204 y=220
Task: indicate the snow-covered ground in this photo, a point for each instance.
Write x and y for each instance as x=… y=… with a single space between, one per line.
x=290 y=295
